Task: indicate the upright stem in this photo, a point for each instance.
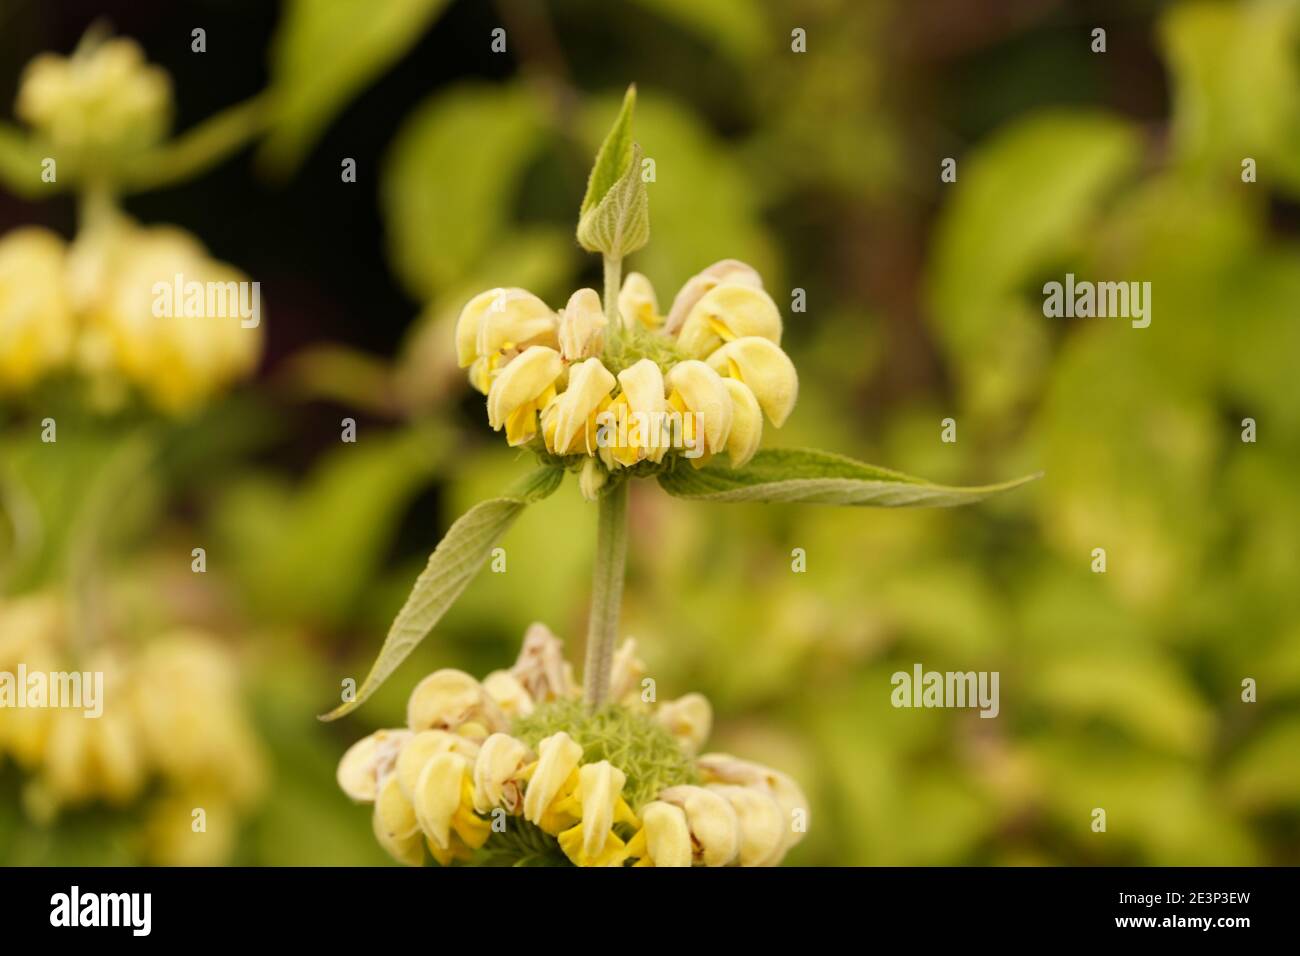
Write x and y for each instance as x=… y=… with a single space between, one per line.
x=613 y=279
x=606 y=592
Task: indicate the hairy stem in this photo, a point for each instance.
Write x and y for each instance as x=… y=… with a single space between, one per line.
x=606 y=592
x=613 y=279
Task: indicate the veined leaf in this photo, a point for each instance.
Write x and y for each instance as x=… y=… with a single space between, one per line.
x=20 y=164
x=819 y=477
x=620 y=223
x=453 y=564
x=614 y=156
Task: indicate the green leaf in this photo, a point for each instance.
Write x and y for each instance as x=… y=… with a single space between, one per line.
x=819 y=477
x=453 y=564
x=449 y=184
x=620 y=223
x=20 y=165
x=199 y=148
x=738 y=28
x=324 y=53
x=614 y=156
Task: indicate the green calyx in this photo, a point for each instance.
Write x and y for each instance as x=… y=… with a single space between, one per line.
x=636 y=343
x=634 y=743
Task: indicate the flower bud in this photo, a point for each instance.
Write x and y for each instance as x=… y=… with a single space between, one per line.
x=731 y=271
x=582 y=326
x=557 y=757
x=521 y=390
x=625 y=673
x=767 y=371
x=592 y=479
x=541 y=667
x=637 y=304
x=725 y=313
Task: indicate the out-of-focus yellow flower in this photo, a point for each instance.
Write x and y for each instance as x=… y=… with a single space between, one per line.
x=163 y=315
x=368 y=761
x=36 y=320
x=103 y=99
x=496 y=326
x=582 y=327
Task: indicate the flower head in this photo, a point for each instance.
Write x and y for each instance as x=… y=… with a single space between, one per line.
x=560 y=783
x=692 y=384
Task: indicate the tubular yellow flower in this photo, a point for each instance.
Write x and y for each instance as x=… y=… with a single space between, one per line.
x=731 y=271
x=497 y=325
x=569 y=423
x=496 y=772
x=453 y=700
x=746 y=423
x=582 y=326
x=760 y=824
x=444 y=807
x=521 y=390
x=725 y=313
x=631 y=428
x=395 y=825
x=36 y=319
x=664 y=838
x=423 y=747
x=637 y=304
x=715 y=831
x=767 y=371
x=598 y=803
x=695 y=389
x=557 y=759
x=367 y=761
x=689 y=719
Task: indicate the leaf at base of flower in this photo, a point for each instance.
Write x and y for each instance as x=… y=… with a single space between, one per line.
x=808 y=476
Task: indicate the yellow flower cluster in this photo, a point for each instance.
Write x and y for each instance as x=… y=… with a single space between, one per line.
x=92 y=306
x=171 y=713
x=714 y=363
x=104 y=97
x=457 y=775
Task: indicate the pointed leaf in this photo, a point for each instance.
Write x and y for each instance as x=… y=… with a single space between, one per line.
x=819 y=477
x=614 y=155
x=453 y=564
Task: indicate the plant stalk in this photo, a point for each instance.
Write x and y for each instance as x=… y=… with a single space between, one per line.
x=606 y=592
x=613 y=280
